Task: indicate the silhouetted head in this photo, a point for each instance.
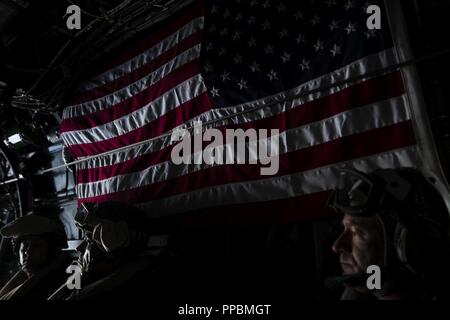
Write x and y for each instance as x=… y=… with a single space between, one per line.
x=112 y=230
x=39 y=239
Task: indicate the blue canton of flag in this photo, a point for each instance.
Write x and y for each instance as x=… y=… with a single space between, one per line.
x=254 y=49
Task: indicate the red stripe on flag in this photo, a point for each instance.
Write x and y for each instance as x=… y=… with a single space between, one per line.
x=361 y=94
x=139 y=73
x=170 y=120
x=347 y=148
x=364 y=93
x=126 y=52
x=134 y=103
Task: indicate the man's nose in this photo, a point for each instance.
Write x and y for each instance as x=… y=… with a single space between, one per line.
x=342 y=243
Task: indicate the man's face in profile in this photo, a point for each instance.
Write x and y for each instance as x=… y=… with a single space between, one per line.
x=33 y=254
x=94 y=259
x=361 y=244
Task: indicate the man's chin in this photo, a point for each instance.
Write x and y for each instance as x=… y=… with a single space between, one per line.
x=348 y=269
x=27 y=270
x=31 y=269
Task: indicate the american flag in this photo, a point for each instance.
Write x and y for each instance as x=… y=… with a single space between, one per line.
x=311 y=69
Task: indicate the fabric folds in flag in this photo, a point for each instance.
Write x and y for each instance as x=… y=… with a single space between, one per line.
x=310 y=69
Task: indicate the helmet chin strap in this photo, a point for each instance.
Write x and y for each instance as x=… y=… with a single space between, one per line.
x=358 y=279
x=354 y=280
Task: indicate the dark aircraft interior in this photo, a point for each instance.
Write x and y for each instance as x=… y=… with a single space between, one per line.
x=255 y=258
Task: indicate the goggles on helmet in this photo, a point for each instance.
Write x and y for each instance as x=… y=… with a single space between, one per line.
x=361 y=195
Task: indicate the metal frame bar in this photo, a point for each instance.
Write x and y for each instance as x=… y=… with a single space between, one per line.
x=431 y=164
